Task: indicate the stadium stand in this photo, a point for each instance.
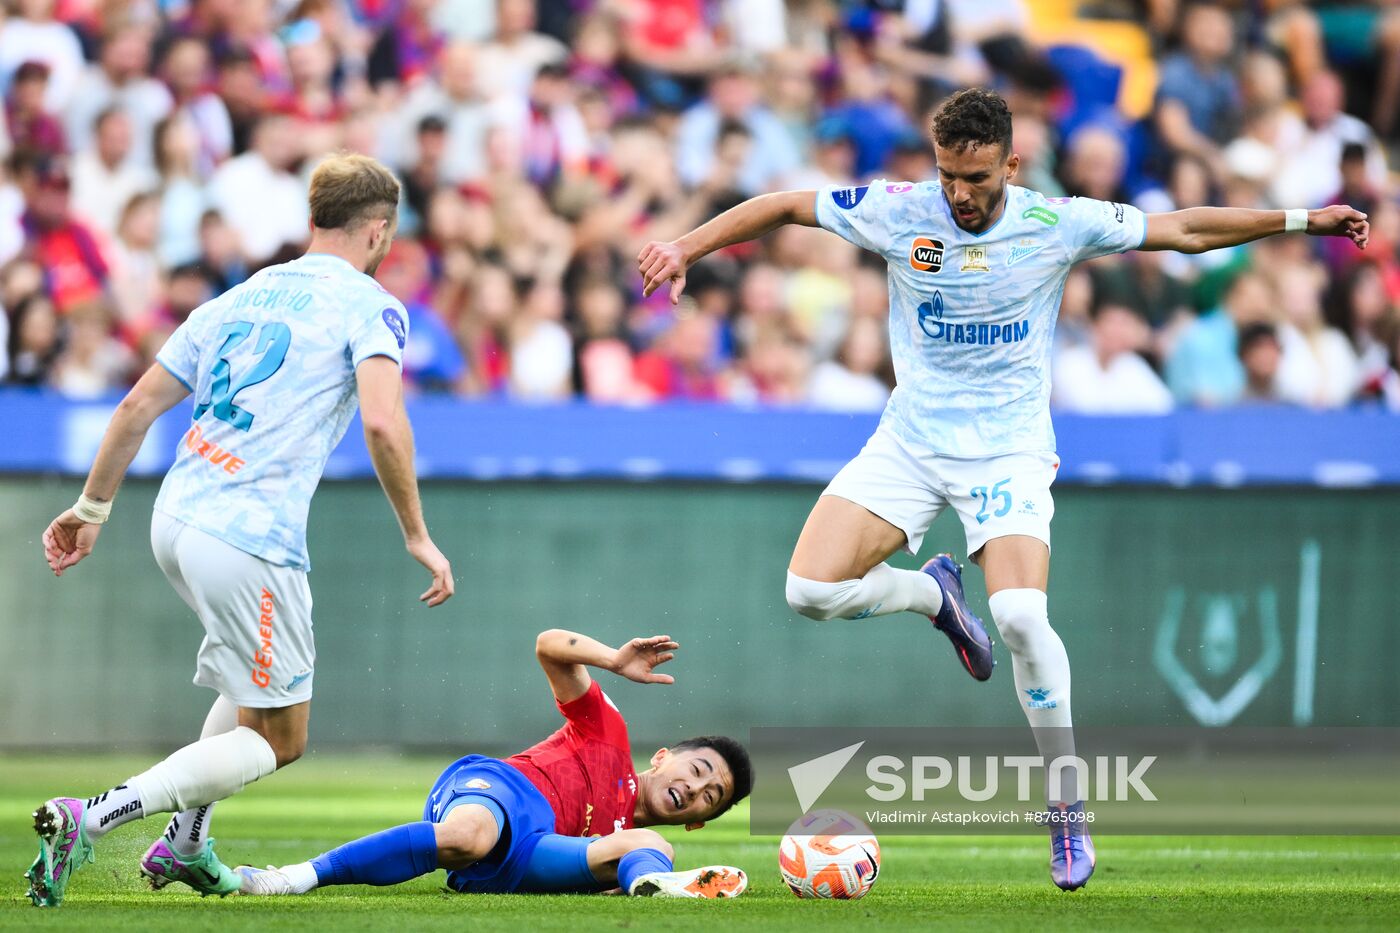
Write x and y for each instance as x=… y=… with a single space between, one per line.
x=158 y=152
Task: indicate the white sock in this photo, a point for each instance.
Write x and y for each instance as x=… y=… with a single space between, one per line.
x=880 y=592
x=302 y=875
x=208 y=770
x=106 y=812
x=188 y=830
x=1040 y=668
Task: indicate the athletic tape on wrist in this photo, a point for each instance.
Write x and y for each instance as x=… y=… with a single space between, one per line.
x=92 y=511
x=1295 y=220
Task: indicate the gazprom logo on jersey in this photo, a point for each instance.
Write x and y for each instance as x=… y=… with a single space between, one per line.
x=931 y=323
x=847 y=198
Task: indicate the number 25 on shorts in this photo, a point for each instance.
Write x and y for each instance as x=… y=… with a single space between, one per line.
x=997 y=494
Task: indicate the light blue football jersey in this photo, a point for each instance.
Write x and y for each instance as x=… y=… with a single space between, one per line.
x=972 y=316
x=271 y=365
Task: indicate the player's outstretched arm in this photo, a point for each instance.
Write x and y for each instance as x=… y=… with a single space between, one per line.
x=70 y=537
x=566 y=657
x=389 y=437
x=1199 y=229
x=666 y=262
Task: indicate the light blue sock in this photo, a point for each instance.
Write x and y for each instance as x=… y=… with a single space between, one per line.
x=640 y=862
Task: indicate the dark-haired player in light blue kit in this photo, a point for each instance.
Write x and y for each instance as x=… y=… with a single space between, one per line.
x=976 y=266
x=563 y=815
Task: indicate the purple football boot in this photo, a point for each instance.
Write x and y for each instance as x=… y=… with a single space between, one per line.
x=957 y=621
x=1071 y=849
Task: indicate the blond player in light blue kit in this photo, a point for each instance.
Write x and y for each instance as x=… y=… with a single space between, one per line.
x=976 y=270
x=276 y=367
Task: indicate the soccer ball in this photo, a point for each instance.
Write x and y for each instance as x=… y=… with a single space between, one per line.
x=829 y=854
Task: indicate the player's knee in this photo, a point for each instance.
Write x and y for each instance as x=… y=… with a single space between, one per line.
x=287 y=744
x=284 y=730
x=1020 y=615
x=465 y=838
x=815 y=599
x=644 y=839
x=288 y=748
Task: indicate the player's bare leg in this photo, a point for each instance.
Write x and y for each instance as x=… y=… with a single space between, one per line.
x=466 y=836
x=640 y=861
x=838 y=571
x=1017 y=568
x=284 y=728
x=842 y=541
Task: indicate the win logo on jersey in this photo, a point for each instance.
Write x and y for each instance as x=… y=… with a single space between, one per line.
x=983 y=335
x=926 y=255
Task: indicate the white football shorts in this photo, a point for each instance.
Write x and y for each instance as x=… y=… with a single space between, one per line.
x=909 y=488
x=258 y=648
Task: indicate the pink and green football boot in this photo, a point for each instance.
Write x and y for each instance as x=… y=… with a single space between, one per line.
x=206 y=874
x=63 y=849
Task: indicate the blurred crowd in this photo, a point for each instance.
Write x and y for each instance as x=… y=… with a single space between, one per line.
x=157 y=152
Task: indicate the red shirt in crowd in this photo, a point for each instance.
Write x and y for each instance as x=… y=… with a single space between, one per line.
x=72 y=261
x=585 y=768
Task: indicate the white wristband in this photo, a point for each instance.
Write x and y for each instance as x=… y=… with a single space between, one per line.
x=91 y=511
x=1295 y=220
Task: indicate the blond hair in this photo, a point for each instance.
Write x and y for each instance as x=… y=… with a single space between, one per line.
x=348 y=189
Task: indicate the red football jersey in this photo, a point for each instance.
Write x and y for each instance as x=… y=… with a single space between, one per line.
x=585 y=768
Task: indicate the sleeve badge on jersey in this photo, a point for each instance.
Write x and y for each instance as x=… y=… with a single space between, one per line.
x=478 y=784
x=395 y=325
x=847 y=198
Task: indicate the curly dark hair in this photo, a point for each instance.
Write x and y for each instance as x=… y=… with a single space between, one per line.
x=973 y=117
x=734 y=755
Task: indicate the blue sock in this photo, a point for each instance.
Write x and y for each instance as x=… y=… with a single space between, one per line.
x=640 y=862
x=388 y=857
x=559 y=863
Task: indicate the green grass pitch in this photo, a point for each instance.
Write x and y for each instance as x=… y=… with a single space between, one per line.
x=959 y=883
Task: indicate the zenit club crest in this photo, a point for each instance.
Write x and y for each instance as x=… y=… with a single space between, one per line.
x=1024 y=249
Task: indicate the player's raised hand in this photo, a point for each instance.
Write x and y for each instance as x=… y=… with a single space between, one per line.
x=426 y=553
x=1340 y=220
x=637 y=659
x=67 y=540
x=659 y=263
